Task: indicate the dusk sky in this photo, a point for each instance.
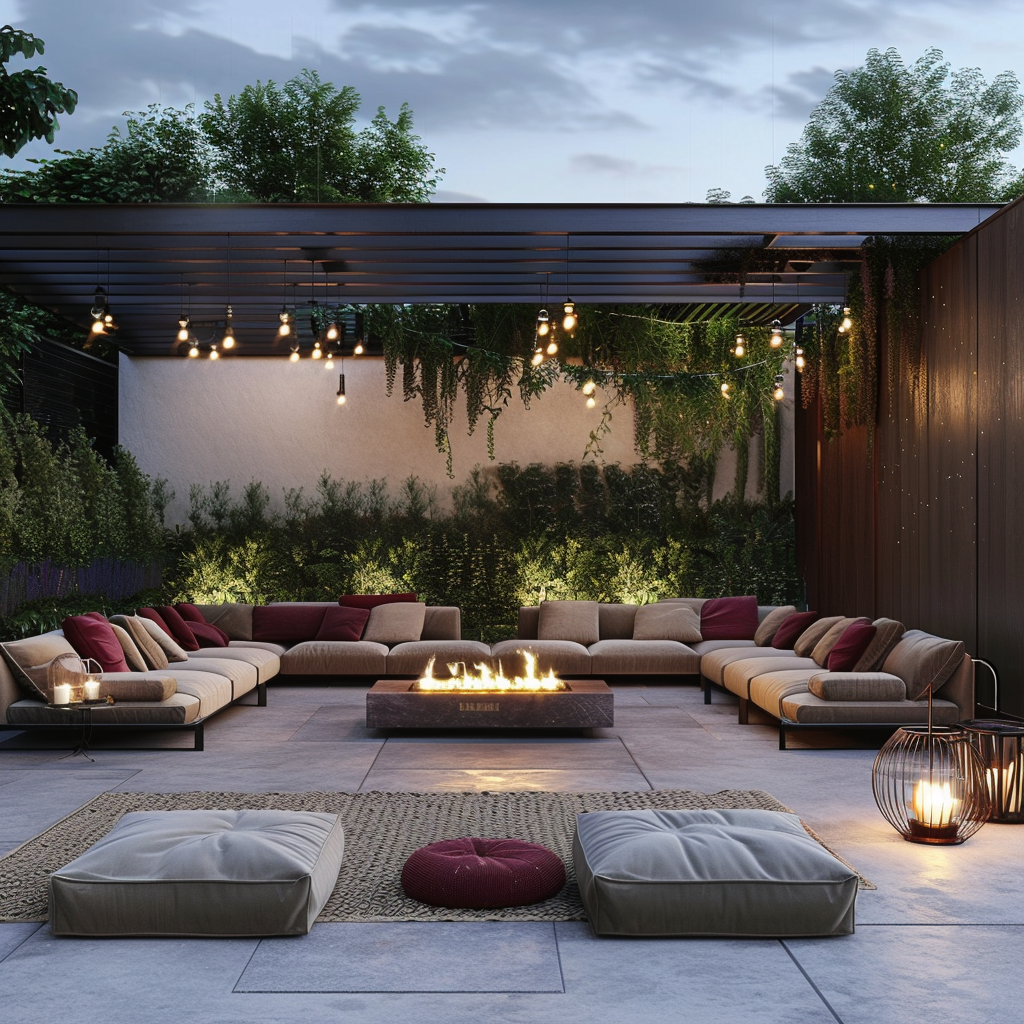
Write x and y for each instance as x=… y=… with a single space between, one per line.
x=522 y=100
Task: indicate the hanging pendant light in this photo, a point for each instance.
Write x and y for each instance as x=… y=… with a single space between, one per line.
x=739 y=347
x=776 y=338
x=342 y=398
x=778 y=391
x=228 y=339
x=193 y=352
x=360 y=335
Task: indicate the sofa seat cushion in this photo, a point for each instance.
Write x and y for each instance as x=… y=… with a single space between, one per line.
x=713 y=664
x=201 y=873
x=410 y=659
x=769 y=689
x=266 y=663
x=868 y=686
x=805 y=708
x=737 y=677
x=642 y=657
x=211 y=689
x=178 y=709
x=335 y=658
x=258 y=645
x=703 y=647
x=737 y=873
x=564 y=657
x=243 y=676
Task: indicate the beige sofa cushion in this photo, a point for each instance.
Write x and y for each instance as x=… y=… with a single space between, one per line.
x=242 y=675
x=823 y=648
x=167 y=644
x=808 y=639
x=410 y=659
x=578 y=621
x=676 y=622
x=137 y=687
x=266 y=663
x=714 y=663
x=397 y=622
x=642 y=657
x=29 y=661
x=769 y=625
x=616 y=621
x=178 y=709
x=564 y=657
x=806 y=708
x=152 y=653
x=739 y=677
x=887 y=635
x=769 y=689
x=132 y=655
x=335 y=658
x=920 y=659
x=857 y=686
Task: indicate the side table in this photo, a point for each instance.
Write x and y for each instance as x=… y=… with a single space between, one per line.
x=79 y=714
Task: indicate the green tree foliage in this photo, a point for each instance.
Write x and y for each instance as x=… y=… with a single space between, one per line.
x=889 y=132
x=29 y=101
x=298 y=143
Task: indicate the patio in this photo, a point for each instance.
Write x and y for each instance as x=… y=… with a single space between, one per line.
x=937 y=937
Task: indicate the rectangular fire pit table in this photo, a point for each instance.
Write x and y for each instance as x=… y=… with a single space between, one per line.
x=395 y=704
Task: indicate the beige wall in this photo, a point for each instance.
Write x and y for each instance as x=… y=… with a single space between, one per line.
x=265 y=419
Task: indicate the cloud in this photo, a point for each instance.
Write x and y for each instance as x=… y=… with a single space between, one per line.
x=444 y=195
x=802 y=92
x=603 y=163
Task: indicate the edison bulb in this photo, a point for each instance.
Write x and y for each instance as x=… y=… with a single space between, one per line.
x=538 y=358
x=228 y=341
x=552 y=348
x=317 y=353
x=342 y=399
x=739 y=349
x=778 y=394
x=725 y=387
x=543 y=327
x=591 y=402
x=358 y=350
x=329 y=365
x=97 y=327
x=284 y=330
x=214 y=354
x=182 y=330
x=332 y=332
x=294 y=357
x=588 y=388
x=193 y=352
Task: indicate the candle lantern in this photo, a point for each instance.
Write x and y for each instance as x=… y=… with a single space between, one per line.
x=1000 y=744
x=72 y=679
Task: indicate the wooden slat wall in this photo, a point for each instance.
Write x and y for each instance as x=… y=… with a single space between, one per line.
x=928 y=530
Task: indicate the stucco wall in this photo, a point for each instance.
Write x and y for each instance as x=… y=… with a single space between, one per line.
x=265 y=419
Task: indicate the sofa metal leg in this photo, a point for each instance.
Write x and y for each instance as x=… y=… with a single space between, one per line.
x=782 y=735
x=261 y=695
x=198 y=734
x=707 y=690
x=743 y=710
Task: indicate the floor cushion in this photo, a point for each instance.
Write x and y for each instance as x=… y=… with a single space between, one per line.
x=482 y=873
x=201 y=873
x=737 y=873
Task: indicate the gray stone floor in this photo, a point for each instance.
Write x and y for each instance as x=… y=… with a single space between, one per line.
x=939 y=939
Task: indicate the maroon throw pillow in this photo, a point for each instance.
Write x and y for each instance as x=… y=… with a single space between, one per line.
x=178 y=628
x=343 y=624
x=850 y=646
x=154 y=616
x=93 y=638
x=208 y=635
x=791 y=628
x=372 y=600
x=729 y=618
x=286 y=624
x=189 y=612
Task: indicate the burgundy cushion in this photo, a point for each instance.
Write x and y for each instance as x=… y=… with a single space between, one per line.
x=482 y=873
x=208 y=635
x=178 y=627
x=286 y=624
x=372 y=600
x=343 y=624
x=154 y=616
x=189 y=612
x=729 y=618
x=850 y=646
x=791 y=628
x=92 y=637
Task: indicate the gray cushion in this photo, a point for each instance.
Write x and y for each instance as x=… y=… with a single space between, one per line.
x=335 y=658
x=151 y=651
x=769 y=625
x=857 y=686
x=887 y=635
x=741 y=873
x=642 y=657
x=920 y=660
x=823 y=648
x=395 y=623
x=411 y=659
x=808 y=639
x=563 y=657
x=676 y=622
x=209 y=873
x=167 y=644
x=578 y=621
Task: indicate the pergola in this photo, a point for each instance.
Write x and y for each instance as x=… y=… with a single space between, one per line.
x=154 y=261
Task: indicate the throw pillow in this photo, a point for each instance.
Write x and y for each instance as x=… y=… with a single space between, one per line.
x=920 y=659
x=286 y=623
x=824 y=646
x=132 y=655
x=808 y=639
x=178 y=627
x=569 y=620
x=887 y=636
x=94 y=639
x=150 y=650
x=154 y=616
x=790 y=630
x=343 y=623
x=163 y=640
x=29 y=662
x=234 y=619
x=666 y=622
x=189 y=612
x=770 y=624
x=395 y=622
x=372 y=600
x=729 y=618
x=857 y=686
x=139 y=687
x=851 y=646
x=207 y=635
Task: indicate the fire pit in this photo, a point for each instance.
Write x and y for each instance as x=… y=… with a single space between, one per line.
x=489 y=700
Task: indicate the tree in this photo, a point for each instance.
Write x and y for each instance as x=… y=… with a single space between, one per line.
x=298 y=143
x=29 y=101
x=886 y=132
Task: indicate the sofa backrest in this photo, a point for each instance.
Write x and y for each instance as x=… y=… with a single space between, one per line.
x=696 y=603
x=9 y=691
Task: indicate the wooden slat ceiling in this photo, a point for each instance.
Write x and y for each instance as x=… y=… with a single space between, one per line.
x=154 y=259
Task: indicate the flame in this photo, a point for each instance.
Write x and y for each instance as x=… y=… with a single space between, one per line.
x=487 y=679
x=934 y=803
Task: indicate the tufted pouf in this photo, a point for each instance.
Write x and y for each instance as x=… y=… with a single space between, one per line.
x=740 y=873
x=479 y=874
x=209 y=873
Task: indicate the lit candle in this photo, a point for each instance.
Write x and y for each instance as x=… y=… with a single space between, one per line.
x=92 y=689
x=62 y=693
x=934 y=804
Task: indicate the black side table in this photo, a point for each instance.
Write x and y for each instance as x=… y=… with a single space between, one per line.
x=1001 y=746
x=79 y=714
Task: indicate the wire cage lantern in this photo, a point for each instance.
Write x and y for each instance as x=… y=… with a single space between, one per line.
x=72 y=680
x=1000 y=745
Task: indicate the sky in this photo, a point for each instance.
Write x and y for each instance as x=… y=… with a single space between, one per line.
x=521 y=100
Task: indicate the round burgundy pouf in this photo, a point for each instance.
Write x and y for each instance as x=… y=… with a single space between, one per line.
x=478 y=874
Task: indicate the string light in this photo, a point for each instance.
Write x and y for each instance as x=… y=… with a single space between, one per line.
x=193 y=352
x=332 y=331
x=591 y=402
x=778 y=391
x=776 y=339
x=847 y=323
x=286 y=327
x=228 y=341
x=588 y=388
x=183 y=329
x=341 y=389
x=725 y=388
x=800 y=361
x=214 y=354
x=329 y=363
x=543 y=323
x=360 y=335
x=569 y=321
x=739 y=348
x=317 y=351
x=294 y=357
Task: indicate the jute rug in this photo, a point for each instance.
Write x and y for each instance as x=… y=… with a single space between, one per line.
x=381 y=830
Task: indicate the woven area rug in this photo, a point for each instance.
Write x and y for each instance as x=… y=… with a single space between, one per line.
x=381 y=830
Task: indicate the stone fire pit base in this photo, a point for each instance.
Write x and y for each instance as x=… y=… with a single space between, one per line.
x=394 y=704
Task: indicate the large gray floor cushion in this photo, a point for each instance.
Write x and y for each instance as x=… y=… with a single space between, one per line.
x=739 y=873
x=201 y=873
